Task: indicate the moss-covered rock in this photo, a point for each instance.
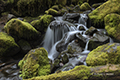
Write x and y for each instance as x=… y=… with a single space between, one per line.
x=52 y=12
x=85 y=6
x=112 y=25
x=42 y=24
x=35 y=63
x=8 y=47
x=62 y=2
x=105 y=54
x=20 y=29
x=78 y=73
x=97 y=15
x=34 y=7
x=96 y=5
x=56 y=7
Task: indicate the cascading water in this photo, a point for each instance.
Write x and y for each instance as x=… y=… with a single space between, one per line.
x=61 y=32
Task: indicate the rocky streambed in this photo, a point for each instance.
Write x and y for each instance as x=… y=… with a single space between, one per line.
x=66 y=43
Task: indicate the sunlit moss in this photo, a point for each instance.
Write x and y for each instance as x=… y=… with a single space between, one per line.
x=78 y=73
x=7 y=45
x=20 y=29
x=85 y=6
x=103 y=55
x=42 y=23
x=112 y=25
x=97 y=15
x=35 y=63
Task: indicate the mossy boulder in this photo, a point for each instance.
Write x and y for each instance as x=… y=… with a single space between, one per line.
x=112 y=25
x=62 y=2
x=8 y=47
x=78 y=73
x=105 y=54
x=52 y=11
x=35 y=63
x=97 y=15
x=56 y=7
x=33 y=7
x=85 y=6
x=20 y=29
x=42 y=24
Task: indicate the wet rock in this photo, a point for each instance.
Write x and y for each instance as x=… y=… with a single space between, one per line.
x=81 y=28
x=91 y=31
x=76 y=8
x=35 y=63
x=68 y=37
x=81 y=40
x=67 y=67
x=105 y=54
x=25 y=46
x=8 y=47
x=97 y=40
x=65 y=58
x=71 y=17
x=55 y=65
x=74 y=48
x=63 y=11
x=10 y=16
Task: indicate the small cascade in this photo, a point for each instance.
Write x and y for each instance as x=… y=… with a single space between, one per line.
x=68 y=37
x=83 y=18
x=111 y=40
x=55 y=32
x=60 y=33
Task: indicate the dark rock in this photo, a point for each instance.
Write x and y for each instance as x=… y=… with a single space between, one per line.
x=65 y=59
x=55 y=65
x=25 y=46
x=68 y=37
x=91 y=31
x=76 y=8
x=71 y=17
x=10 y=16
x=97 y=40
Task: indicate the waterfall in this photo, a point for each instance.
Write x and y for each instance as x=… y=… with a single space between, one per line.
x=60 y=33
x=55 y=32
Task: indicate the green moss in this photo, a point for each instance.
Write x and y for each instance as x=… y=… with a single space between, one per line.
x=78 y=73
x=42 y=23
x=112 y=25
x=97 y=15
x=56 y=7
x=70 y=50
x=35 y=63
x=85 y=6
x=20 y=29
x=52 y=12
x=104 y=54
x=7 y=45
x=34 y=7
x=62 y=2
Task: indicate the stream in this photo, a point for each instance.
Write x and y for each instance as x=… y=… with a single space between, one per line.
x=59 y=35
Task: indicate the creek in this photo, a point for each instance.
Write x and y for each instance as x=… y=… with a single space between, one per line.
x=61 y=35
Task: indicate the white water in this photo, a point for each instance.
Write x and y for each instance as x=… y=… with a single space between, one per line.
x=64 y=32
